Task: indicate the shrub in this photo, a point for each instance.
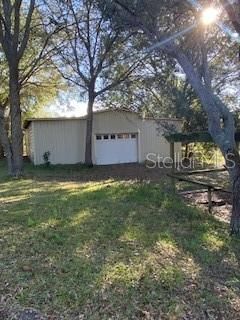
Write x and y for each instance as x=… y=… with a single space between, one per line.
x=46 y=158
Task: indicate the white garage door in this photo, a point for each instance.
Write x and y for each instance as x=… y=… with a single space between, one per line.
x=116 y=148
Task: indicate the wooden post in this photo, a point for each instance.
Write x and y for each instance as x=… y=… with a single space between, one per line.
x=209 y=199
x=172 y=156
x=238 y=145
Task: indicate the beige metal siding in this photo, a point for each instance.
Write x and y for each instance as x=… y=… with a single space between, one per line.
x=150 y=132
x=30 y=142
x=27 y=142
x=65 y=140
x=153 y=141
x=115 y=122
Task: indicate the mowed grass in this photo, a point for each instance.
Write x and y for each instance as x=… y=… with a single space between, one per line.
x=114 y=250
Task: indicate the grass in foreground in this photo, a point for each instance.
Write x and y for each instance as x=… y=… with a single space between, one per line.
x=114 y=250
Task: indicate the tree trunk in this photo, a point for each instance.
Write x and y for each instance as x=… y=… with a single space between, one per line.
x=16 y=122
x=88 y=148
x=220 y=120
x=222 y=129
x=235 y=217
x=6 y=143
x=1 y=151
x=233 y=165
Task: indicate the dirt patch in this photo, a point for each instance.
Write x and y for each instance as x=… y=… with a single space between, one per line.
x=222 y=203
x=137 y=172
x=12 y=311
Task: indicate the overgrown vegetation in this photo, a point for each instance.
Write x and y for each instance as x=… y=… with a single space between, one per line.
x=112 y=249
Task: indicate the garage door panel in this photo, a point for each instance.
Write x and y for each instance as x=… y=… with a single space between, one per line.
x=116 y=150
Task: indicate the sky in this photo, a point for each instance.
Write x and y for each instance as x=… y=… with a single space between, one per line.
x=72 y=108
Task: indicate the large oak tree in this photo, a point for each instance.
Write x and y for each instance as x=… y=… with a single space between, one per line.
x=14 y=36
x=168 y=26
x=91 y=55
x=25 y=48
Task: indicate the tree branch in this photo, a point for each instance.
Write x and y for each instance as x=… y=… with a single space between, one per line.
x=26 y=30
x=120 y=79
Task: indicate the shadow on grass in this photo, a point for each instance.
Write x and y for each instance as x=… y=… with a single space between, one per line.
x=118 y=250
x=81 y=173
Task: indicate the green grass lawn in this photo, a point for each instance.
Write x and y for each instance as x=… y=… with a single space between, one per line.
x=113 y=250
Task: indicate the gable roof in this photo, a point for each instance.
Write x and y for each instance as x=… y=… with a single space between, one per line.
x=27 y=122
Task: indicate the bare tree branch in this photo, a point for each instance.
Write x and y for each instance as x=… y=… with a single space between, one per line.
x=27 y=30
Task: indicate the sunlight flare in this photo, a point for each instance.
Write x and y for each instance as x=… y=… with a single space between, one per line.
x=209 y=15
